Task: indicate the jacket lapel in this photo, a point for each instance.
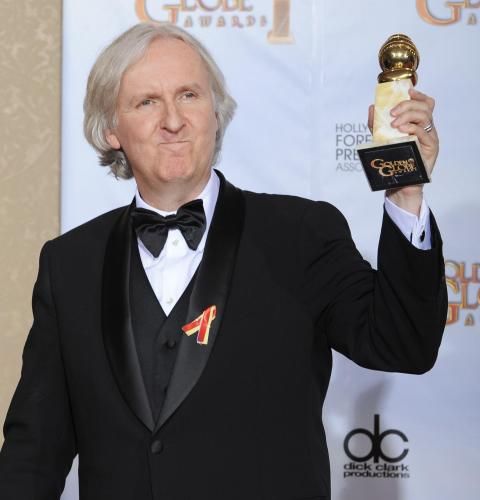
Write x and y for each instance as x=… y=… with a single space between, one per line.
x=117 y=321
x=211 y=287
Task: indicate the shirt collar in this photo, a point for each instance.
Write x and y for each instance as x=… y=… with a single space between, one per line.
x=209 y=197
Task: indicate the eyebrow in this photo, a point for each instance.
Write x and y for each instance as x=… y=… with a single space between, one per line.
x=154 y=93
x=191 y=86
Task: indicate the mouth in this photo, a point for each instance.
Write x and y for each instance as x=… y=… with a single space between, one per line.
x=175 y=148
x=168 y=143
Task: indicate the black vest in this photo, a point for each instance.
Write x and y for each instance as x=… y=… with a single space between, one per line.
x=156 y=335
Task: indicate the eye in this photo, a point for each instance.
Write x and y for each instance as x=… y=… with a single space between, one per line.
x=188 y=95
x=146 y=102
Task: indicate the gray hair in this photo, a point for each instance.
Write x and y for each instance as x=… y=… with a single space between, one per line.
x=104 y=85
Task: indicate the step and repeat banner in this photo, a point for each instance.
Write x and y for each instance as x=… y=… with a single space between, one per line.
x=303 y=73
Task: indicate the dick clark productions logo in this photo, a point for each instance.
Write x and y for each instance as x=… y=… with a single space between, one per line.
x=379 y=461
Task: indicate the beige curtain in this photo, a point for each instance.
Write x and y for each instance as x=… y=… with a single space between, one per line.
x=30 y=41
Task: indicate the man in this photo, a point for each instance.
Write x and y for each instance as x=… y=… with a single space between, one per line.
x=182 y=345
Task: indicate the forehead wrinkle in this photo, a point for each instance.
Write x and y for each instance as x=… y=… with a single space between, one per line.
x=150 y=92
x=151 y=75
x=155 y=93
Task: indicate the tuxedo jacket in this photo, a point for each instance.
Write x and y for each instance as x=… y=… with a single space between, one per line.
x=242 y=417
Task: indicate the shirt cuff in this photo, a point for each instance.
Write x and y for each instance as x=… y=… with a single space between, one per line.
x=415 y=229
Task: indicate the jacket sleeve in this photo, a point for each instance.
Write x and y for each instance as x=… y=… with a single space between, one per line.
x=391 y=319
x=39 y=435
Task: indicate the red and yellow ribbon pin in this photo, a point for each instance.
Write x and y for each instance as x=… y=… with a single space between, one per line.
x=202 y=325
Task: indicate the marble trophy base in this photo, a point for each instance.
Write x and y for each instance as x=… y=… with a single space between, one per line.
x=393 y=159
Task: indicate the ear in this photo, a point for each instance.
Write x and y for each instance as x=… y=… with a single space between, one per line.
x=112 y=139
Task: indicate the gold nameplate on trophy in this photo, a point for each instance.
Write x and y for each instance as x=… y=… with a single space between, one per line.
x=393 y=159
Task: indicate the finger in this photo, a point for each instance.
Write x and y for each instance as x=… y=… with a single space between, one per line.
x=428 y=139
x=416 y=95
x=371 y=111
x=410 y=105
x=417 y=101
x=418 y=117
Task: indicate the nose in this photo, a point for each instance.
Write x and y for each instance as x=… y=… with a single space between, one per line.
x=173 y=120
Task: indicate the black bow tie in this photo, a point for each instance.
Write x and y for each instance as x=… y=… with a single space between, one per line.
x=152 y=228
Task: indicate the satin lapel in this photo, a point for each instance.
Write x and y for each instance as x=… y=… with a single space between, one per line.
x=117 y=322
x=211 y=287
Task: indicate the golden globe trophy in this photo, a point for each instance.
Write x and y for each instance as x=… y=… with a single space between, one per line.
x=393 y=159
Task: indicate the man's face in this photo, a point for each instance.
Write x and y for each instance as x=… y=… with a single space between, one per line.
x=166 y=123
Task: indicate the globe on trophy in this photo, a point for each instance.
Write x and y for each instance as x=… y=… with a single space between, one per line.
x=393 y=159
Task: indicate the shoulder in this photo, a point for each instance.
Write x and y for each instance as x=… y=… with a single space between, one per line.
x=292 y=209
x=88 y=235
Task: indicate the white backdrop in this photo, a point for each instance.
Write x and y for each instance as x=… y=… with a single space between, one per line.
x=302 y=108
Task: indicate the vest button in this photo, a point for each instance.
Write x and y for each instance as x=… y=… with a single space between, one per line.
x=156 y=447
x=171 y=343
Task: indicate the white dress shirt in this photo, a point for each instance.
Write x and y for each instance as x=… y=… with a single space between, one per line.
x=416 y=229
x=170 y=273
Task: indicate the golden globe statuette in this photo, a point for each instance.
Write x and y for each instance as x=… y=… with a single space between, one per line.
x=393 y=159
